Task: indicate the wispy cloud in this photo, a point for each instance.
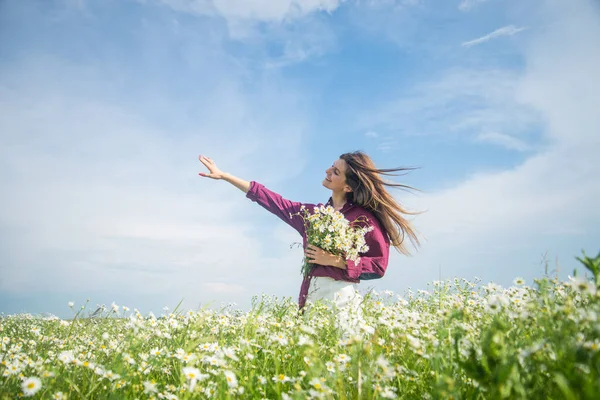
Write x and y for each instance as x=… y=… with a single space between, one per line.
x=459 y=104
x=498 y=223
x=299 y=41
x=508 y=30
x=387 y=144
x=256 y=10
x=467 y=5
x=124 y=212
x=371 y=134
x=503 y=140
x=224 y=288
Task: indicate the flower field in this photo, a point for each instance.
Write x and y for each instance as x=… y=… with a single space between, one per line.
x=458 y=339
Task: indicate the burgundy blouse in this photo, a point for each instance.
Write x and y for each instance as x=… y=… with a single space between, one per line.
x=372 y=264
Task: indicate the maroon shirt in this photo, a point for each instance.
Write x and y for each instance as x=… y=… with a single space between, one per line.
x=372 y=264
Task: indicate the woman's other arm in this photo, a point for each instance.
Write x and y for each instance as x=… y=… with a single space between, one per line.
x=216 y=173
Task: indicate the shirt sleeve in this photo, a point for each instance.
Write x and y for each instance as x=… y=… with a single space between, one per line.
x=277 y=205
x=373 y=263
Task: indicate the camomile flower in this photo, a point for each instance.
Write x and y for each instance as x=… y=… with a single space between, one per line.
x=193 y=375
x=231 y=379
x=66 y=356
x=150 y=387
x=342 y=358
x=519 y=281
x=281 y=378
x=330 y=366
x=31 y=386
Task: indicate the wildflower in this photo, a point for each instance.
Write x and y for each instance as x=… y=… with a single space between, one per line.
x=231 y=379
x=128 y=359
x=71 y=304
x=519 y=281
x=280 y=338
x=414 y=342
x=58 y=396
x=593 y=346
x=66 y=357
x=281 y=378
x=150 y=387
x=388 y=393
x=304 y=341
x=155 y=352
x=342 y=358
x=31 y=386
x=330 y=366
x=229 y=352
x=193 y=376
x=582 y=285
x=495 y=302
x=384 y=364
x=317 y=384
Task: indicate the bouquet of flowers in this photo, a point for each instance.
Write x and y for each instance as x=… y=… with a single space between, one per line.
x=329 y=230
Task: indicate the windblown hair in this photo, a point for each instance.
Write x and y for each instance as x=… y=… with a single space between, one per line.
x=369 y=191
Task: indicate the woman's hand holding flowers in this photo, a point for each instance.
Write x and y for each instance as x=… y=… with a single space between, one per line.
x=319 y=256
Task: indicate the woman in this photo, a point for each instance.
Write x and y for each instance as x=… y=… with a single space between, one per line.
x=357 y=190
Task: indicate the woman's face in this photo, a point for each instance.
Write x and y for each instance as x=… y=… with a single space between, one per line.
x=335 y=178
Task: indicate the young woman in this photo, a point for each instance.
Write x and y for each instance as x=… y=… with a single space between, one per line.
x=357 y=190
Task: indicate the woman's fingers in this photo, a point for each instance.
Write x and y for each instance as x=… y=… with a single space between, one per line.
x=205 y=160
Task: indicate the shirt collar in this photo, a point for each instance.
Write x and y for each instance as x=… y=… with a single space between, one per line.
x=344 y=208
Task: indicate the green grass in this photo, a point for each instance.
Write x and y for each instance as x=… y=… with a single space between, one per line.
x=460 y=340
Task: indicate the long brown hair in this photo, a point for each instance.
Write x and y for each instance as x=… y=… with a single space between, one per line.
x=368 y=191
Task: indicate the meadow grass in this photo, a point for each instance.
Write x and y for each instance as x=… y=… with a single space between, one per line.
x=457 y=340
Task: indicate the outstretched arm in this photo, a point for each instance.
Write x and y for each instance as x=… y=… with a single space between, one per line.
x=256 y=192
x=216 y=173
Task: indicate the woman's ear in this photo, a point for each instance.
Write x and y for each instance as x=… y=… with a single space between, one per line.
x=347 y=189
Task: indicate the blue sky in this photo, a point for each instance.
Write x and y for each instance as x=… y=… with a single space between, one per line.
x=106 y=105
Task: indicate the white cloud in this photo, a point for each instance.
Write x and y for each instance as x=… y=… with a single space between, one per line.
x=371 y=134
x=503 y=140
x=254 y=10
x=499 y=224
x=508 y=30
x=461 y=103
x=387 y=144
x=467 y=5
x=225 y=288
x=300 y=41
x=98 y=198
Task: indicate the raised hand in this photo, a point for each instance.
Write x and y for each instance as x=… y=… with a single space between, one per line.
x=214 y=171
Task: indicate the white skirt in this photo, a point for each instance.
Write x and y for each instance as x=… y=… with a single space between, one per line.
x=343 y=297
x=341 y=294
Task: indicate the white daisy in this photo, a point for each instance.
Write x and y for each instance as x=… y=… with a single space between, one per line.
x=231 y=379
x=31 y=386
